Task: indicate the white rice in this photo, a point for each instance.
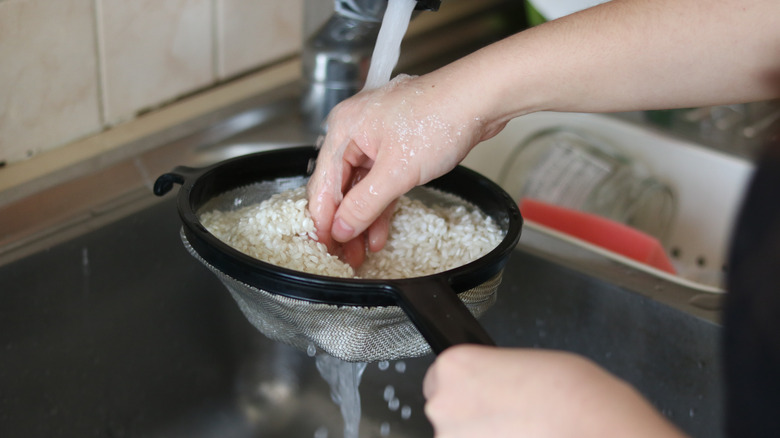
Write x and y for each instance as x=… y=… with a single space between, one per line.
x=423 y=239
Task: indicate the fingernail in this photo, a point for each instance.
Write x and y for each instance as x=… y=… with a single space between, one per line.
x=341 y=230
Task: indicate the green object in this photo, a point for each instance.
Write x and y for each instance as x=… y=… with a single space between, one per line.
x=532 y=15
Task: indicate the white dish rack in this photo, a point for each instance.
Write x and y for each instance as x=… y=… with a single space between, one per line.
x=707 y=185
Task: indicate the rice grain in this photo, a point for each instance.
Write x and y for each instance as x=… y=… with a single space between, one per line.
x=423 y=239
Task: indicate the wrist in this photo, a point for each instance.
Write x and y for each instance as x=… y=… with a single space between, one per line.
x=497 y=84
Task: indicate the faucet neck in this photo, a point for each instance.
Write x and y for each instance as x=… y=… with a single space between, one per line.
x=337 y=56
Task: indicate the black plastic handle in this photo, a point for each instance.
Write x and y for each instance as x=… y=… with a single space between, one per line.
x=178 y=175
x=439 y=315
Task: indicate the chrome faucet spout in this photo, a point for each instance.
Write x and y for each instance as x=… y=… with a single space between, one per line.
x=337 y=56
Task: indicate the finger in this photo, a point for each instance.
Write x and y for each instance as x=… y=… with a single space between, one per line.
x=363 y=204
x=430 y=382
x=354 y=252
x=379 y=230
x=325 y=188
x=322 y=206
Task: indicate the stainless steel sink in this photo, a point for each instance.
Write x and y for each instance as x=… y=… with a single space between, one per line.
x=119 y=332
x=108 y=328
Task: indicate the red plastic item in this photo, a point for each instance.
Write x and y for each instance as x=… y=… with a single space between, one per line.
x=608 y=234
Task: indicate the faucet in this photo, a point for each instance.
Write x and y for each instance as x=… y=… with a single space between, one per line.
x=337 y=56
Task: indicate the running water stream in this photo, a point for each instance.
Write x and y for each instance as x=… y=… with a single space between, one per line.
x=388 y=43
x=344 y=377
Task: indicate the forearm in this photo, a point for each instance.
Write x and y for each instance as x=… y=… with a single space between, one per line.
x=628 y=55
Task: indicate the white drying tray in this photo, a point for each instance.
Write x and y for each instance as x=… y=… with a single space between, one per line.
x=707 y=184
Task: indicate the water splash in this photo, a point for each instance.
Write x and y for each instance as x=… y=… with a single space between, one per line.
x=344 y=380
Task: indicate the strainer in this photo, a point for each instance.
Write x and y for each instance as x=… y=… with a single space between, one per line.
x=355 y=320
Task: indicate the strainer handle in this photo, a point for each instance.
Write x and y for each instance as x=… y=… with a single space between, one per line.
x=439 y=315
x=178 y=175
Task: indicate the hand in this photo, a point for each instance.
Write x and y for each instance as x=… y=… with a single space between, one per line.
x=380 y=144
x=486 y=391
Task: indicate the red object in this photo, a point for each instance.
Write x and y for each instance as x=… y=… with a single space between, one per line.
x=599 y=231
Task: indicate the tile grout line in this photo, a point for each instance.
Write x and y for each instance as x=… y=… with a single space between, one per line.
x=100 y=65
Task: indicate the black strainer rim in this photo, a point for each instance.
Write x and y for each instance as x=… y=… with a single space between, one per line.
x=200 y=185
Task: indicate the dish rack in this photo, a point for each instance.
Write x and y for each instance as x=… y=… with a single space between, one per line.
x=705 y=185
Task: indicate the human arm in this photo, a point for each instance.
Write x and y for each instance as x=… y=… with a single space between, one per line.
x=486 y=391
x=623 y=55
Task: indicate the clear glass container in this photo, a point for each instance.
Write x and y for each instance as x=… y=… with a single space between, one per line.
x=576 y=170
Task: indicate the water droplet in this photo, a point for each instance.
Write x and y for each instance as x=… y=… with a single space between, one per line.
x=389 y=393
x=384 y=429
x=394 y=404
x=400 y=366
x=406 y=412
x=691 y=412
x=383 y=365
x=321 y=432
x=311 y=350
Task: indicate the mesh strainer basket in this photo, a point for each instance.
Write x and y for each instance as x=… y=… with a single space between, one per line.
x=355 y=320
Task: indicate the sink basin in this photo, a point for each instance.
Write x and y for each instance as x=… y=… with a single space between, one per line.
x=119 y=332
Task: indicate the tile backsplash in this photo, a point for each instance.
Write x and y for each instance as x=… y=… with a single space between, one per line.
x=71 y=68
x=49 y=92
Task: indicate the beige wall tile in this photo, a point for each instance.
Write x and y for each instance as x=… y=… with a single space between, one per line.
x=251 y=33
x=153 y=51
x=48 y=75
